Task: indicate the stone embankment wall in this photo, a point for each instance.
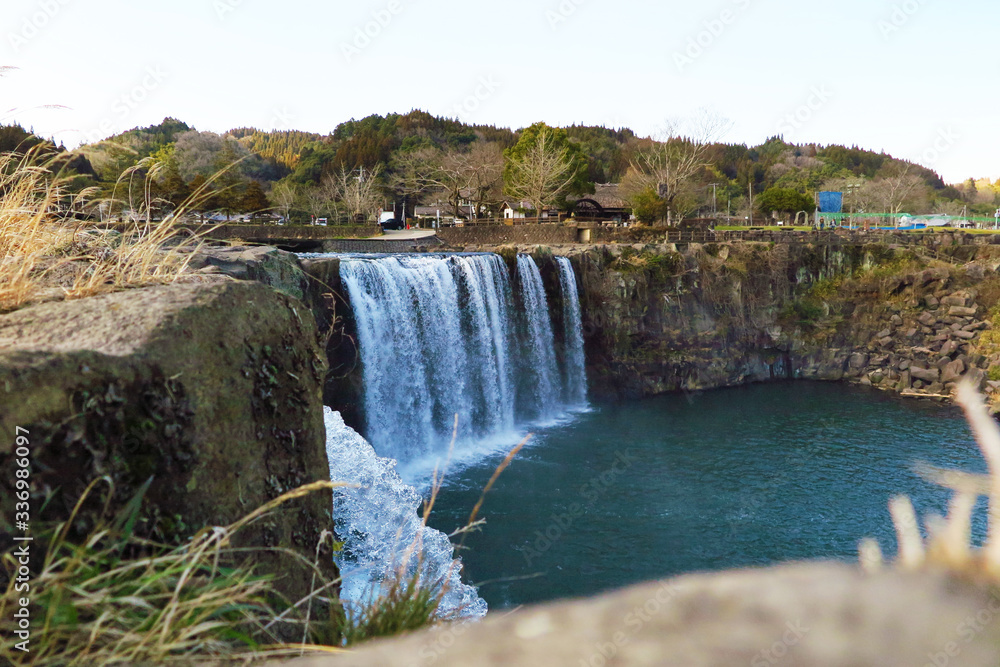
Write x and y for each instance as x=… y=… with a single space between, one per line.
x=379 y=246
x=957 y=244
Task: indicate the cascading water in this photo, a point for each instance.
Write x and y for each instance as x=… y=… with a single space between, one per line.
x=441 y=336
x=541 y=389
x=574 y=366
x=383 y=536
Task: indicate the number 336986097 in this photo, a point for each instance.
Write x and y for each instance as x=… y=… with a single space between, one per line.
x=22 y=474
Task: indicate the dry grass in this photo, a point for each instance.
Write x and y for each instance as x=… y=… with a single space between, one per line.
x=948 y=543
x=46 y=253
x=116 y=599
x=28 y=231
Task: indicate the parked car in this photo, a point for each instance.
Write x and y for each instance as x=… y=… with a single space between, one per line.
x=394 y=223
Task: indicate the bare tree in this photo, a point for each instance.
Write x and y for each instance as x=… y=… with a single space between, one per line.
x=357 y=192
x=413 y=173
x=316 y=201
x=485 y=176
x=668 y=166
x=284 y=195
x=893 y=190
x=542 y=172
x=475 y=175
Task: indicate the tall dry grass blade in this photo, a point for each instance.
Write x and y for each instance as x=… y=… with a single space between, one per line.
x=987 y=434
x=870 y=555
x=911 y=546
x=952 y=542
x=496 y=475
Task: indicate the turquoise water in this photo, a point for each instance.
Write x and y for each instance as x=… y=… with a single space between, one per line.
x=677 y=484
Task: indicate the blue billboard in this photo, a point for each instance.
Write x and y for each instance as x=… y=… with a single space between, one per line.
x=831 y=202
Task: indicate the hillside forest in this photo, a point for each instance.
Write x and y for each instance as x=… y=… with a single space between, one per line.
x=415 y=161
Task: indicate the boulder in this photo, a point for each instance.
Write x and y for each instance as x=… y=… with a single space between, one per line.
x=949 y=348
x=961 y=311
x=964 y=335
x=927 y=319
x=211 y=390
x=978 y=377
x=858 y=361
x=975 y=272
x=956 y=299
x=925 y=374
x=953 y=372
x=905 y=381
x=805 y=614
x=265 y=264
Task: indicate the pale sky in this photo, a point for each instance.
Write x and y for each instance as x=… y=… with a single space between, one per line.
x=916 y=78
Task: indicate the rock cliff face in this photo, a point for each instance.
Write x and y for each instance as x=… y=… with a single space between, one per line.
x=670 y=317
x=662 y=318
x=211 y=389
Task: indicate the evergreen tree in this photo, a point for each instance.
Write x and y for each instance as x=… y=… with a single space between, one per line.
x=254 y=199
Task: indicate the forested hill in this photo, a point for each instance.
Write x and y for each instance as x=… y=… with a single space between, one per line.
x=378 y=140
x=284 y=146
x=396 y=146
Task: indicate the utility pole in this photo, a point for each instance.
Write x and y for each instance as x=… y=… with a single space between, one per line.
x=751 y=203
x=715 y=210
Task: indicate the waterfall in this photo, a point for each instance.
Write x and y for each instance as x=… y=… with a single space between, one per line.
x=574 y=366
x=440 y=336
x=455 y=335
x=433 y=335
x=377 y=519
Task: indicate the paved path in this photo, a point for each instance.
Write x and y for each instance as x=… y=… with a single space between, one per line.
x=405 y=235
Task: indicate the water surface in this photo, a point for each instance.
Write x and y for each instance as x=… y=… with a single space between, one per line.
x=731 y=478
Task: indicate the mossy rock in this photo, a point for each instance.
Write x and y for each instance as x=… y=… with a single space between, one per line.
x=210 y=389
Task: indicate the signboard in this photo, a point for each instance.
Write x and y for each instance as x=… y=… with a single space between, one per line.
x=831 y=202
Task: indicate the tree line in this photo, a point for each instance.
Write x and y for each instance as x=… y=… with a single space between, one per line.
x=396 y=161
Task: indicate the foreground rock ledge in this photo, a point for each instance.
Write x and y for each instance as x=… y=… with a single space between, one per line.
x=802 y=614
x=213 y=389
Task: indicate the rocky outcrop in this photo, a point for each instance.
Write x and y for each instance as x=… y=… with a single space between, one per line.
x=803 y=615
x=264 y=264
x=210 y=389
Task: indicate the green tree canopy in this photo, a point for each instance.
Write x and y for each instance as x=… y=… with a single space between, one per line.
x=784 y=200
x=254 y=199
x=544 y=167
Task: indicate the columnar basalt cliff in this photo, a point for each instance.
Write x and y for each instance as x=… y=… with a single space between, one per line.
x=670 y=317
